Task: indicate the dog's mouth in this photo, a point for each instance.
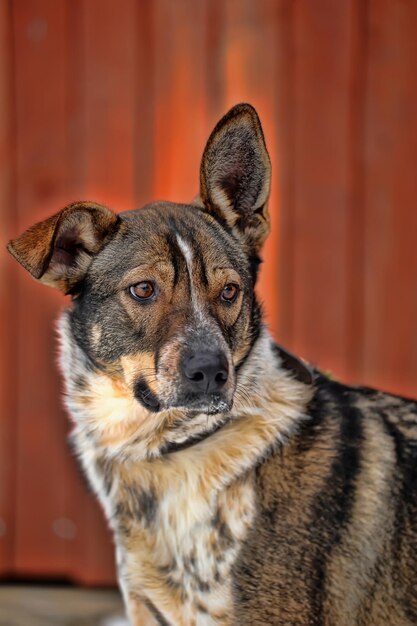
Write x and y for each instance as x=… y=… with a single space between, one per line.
x=209 y=405
x=176 y=446
x=195 y=425
x=192 y=405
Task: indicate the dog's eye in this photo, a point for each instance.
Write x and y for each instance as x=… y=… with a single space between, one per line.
x=142 y=291
x=229 y=293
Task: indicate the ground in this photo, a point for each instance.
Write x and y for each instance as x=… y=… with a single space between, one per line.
x=59 y=606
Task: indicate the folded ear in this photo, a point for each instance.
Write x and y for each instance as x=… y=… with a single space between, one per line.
x=235 y=175
x=59 y=250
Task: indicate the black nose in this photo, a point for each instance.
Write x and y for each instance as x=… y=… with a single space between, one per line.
x=206 y=371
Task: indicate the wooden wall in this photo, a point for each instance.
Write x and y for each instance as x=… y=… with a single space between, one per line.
x=112 y=100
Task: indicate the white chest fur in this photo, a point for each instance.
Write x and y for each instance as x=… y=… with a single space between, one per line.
x=177 y=535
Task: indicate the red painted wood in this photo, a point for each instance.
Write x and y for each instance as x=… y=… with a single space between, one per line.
x=114 y=102
x=355 y=192
x=215 y=45
x=109 y=81
x=285 y=125
x=321 y=174
x=144 y=104
x=180 y=113
x=43 y=170
x=7 y=301
x=390 y=198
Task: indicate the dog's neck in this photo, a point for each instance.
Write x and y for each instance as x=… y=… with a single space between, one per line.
x=269 y=402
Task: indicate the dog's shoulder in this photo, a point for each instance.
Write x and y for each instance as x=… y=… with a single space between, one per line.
x=341 y=491
x=352 y=443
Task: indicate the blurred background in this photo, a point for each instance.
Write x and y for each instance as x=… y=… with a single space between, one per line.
x=113 y=100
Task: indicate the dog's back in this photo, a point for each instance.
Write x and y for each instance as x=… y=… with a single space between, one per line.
x=335 y=535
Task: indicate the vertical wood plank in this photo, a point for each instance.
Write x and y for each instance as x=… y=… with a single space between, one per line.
x=180 y=131
x=144 y=104
x=8 y=328
x=390 y=198
x=321 y=209
x=285 y=120
x=109 y=92
x=215 y=45
x=355 y=193
x=42 y=176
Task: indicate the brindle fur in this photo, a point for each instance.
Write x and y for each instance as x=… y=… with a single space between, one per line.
x=285 y=499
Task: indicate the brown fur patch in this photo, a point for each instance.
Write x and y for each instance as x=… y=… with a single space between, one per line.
x=58 y=250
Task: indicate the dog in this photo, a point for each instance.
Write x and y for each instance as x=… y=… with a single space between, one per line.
x=243 y=487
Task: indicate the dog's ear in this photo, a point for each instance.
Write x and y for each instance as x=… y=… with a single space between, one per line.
x=59 y=250
x=235 y=175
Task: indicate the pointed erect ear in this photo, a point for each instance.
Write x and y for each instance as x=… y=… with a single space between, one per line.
x=235 y=175
x=59 y=250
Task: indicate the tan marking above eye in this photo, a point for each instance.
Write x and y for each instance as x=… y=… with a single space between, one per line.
x=143 y=290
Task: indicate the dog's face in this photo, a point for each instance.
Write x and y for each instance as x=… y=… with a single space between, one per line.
x=163 y=297
x=169 y=303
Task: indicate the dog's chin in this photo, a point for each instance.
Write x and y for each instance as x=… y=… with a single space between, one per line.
x=198 y=428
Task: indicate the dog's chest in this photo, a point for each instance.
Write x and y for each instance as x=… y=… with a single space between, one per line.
x=176 y=542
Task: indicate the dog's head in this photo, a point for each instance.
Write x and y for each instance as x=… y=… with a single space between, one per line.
x=163 y=297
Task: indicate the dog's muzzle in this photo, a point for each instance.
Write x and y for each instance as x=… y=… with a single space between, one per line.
x=202 y=387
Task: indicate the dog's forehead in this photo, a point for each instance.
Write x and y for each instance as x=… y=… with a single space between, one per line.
x=165 y=231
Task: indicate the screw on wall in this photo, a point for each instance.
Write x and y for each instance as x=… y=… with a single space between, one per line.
x=64 y=528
